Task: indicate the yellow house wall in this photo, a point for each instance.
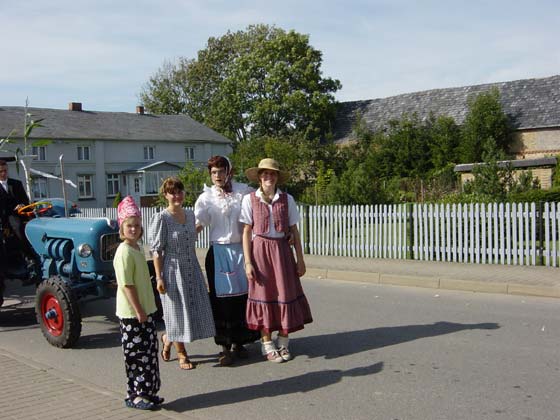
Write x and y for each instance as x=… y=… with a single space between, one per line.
x=544 y=175
x=532 y=144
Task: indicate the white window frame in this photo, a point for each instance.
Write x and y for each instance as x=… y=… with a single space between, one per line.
x=84 y=153
x=85 y=183
x=40 y=188
x=113 y=184
x=137 y=187
x=189 y=153
x=40 y=152
x=149 y=152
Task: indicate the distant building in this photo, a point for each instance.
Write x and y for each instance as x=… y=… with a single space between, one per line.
x=108 y=152
x=533 y=106
x=541 y=168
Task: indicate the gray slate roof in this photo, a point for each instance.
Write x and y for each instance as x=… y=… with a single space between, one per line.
x=530 y=103
x=92 y=125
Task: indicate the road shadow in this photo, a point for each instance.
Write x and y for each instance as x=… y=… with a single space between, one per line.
x=339 y=344
x=296 y=384
x=14 y=319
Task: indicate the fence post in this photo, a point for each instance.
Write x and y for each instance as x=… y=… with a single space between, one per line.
x=410 y=229
x=540 y=232
x=305 y=236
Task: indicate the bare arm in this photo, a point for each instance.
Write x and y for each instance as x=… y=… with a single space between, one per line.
x=132 y=296
x=247 y=251
x=158 y=266
x=300 y=263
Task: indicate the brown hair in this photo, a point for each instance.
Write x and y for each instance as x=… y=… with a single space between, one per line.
x=218 y=162
x=170 y=185
x=3 y=162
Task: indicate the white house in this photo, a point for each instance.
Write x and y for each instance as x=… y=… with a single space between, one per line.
x=108 y=152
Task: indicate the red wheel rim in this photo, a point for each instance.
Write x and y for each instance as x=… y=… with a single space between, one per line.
x=55 y=324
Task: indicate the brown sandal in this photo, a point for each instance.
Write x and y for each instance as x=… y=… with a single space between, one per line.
x=184 y=361
x=165 y=348
x=225 y=358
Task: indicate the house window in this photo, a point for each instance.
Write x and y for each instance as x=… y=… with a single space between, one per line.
x=83 y=152
x=85 y=186
x=148 y=153
x=113 y=184
x=189 y=153
x=40 y=190
x=39 y=152
x=137 y=185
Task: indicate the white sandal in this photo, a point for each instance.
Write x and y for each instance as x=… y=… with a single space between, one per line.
x=283 y=343
x=271 y=353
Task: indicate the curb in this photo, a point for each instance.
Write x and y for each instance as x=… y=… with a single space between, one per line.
x=432 y=282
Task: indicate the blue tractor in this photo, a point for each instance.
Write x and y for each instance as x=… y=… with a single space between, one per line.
x=74 y=259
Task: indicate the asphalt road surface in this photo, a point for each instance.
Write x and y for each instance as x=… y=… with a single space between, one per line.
x=373 y=352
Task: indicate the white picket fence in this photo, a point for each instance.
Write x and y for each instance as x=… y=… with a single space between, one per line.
x=495 y=233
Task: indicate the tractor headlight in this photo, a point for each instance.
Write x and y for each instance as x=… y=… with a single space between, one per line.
x=84 y=250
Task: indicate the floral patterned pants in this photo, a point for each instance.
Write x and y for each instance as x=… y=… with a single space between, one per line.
x=140 y=348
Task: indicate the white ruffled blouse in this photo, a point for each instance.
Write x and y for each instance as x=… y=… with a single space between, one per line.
x=221 y=212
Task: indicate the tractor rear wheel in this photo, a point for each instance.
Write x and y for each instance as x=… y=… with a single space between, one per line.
x=57 y=312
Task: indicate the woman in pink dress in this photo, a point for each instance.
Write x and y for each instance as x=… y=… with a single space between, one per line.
x=276 y=300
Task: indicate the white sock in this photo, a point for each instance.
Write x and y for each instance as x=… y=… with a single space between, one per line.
x=283 y=342
x=268 y=347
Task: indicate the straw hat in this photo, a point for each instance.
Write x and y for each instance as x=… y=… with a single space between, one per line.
x=267 y=163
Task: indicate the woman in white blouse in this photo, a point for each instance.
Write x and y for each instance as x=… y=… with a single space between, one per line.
x=219 y=207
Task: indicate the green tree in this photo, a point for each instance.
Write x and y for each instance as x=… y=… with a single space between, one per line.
x=493 y=178
x=117 y=199
x=485 y=121
x=193 y=180
x=444 y=140
x=263 y=81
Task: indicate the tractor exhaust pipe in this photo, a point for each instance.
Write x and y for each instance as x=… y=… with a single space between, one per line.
x=63 y=185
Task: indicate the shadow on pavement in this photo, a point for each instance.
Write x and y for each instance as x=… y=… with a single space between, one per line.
x=331 y=346
x=14 y=319
x=301 y=383
x=105 y=340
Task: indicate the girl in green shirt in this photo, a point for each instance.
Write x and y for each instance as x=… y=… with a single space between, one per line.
x=136 y=308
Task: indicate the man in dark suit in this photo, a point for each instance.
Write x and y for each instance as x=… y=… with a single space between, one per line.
x=12 y=193
x=12 y=197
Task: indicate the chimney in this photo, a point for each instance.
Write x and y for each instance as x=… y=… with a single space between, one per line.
x=75 y=106
x=140 y=110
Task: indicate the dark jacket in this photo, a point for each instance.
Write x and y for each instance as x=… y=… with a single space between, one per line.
x=9 y=200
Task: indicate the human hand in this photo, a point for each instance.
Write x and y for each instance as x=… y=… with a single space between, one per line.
x=300 y=268
x=141 y=316
x=290 y=238
x=249 y=271
x=160 y=286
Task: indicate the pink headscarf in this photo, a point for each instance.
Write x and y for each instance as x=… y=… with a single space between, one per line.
x=127 y=208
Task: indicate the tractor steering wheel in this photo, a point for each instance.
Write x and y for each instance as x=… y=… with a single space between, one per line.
x=29 y=210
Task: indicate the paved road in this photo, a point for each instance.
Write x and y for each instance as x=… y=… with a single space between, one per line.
x=373 y=352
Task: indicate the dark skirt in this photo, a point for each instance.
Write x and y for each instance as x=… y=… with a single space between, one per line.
x=229 y=312
x=276 y=299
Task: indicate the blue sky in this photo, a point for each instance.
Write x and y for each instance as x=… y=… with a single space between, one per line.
x=101 y=52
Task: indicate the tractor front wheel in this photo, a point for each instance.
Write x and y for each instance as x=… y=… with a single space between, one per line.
x=58 y=313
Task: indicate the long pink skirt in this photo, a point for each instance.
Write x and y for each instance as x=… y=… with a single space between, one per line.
x=276 y=300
